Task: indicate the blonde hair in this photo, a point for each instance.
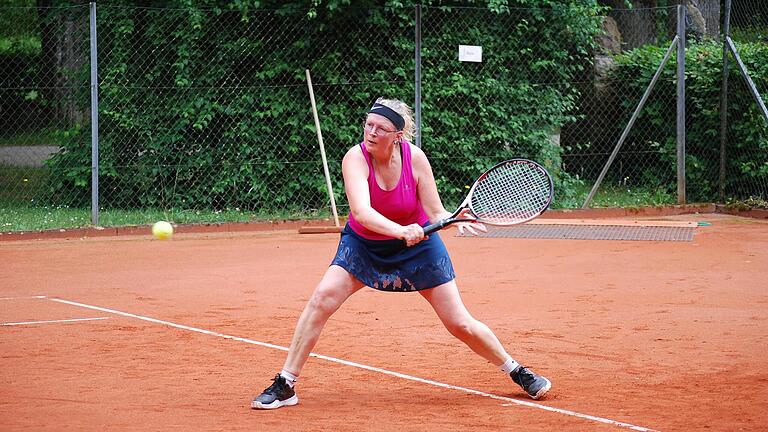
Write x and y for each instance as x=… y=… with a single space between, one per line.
x=409 y=129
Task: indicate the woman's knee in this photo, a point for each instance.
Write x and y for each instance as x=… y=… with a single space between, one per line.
x=462 y=328
x=333 y=290
x=326 y=300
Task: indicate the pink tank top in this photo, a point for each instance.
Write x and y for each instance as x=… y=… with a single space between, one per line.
x=400 y=205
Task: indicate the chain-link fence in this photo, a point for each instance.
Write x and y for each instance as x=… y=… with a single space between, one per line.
x=192 y=117
x=206 y=112
x=644 y=169
x=43 y=52
x=744 y=171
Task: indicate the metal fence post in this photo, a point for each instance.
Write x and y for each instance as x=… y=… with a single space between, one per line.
x=681 y=104
x=750 y=84
x=94 y=119
x=724 y=99
x=417 y=78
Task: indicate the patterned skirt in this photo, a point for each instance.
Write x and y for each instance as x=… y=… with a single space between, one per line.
x=388 y=265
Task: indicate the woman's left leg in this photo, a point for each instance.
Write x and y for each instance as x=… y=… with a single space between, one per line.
x=446 y=301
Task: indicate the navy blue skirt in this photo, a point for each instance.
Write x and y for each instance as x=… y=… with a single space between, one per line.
x=388 y=265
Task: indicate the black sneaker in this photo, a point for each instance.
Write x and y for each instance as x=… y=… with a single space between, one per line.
x=277 y=395
x=535 y=385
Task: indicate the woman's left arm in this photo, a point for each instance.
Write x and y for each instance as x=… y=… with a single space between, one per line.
x=430 y=198
x=426 y=186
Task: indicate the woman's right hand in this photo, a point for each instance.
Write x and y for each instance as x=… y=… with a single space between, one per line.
x=412 y=234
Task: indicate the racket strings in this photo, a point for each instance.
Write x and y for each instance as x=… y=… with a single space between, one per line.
x=511 y=193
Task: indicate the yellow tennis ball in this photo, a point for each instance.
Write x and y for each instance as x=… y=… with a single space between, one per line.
x=162 y=230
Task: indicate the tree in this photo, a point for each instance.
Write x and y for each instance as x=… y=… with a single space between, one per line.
x=636 y=21
x=641 y=22
x=64 y=43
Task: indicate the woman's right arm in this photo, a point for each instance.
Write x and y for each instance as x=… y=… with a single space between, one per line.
x=355 y=171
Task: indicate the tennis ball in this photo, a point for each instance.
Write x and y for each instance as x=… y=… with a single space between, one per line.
x=162 y=230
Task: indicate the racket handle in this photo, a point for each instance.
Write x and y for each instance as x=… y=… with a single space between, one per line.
x=429 y=229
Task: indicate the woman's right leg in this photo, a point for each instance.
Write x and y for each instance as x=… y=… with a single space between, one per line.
x=333 y=290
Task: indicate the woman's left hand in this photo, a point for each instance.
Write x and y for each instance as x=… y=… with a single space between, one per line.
x=469 y=226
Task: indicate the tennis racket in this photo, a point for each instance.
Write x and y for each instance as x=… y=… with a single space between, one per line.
x=510 y=193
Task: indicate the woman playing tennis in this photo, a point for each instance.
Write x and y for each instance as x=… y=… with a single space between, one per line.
x=392 y=195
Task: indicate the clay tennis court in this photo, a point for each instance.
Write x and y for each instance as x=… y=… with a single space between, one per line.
x=130 y=333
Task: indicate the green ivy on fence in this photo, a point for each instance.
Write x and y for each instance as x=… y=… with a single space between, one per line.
x=747 y=139
x=203 y=107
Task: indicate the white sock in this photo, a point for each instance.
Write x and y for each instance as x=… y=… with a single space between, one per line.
x=509 y=365
x=289 y=377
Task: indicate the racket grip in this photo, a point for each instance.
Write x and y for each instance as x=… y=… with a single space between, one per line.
x=429 y=229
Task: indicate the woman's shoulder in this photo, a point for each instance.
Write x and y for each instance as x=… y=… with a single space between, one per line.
x=355 y=152
x=354 y=159
x=414 y=149
x=417 y=154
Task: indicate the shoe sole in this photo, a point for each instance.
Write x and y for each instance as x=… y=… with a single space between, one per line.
x=542 y=391
x=293 y=400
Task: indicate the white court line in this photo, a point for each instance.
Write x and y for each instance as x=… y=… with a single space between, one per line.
x=53 y=321
x=366 y=367
x=22 y=298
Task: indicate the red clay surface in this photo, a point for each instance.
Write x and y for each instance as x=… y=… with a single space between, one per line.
x=661 y=335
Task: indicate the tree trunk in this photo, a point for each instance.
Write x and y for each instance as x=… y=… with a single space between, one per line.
x=710 y=12
x=64 y=50
x=702 y=19
x=48 y=71
x=637 y=25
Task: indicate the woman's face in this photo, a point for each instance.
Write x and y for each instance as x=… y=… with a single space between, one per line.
x=379 y=131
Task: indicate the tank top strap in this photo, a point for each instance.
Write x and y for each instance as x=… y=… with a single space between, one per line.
x=405 y=151
x=407 y=165
x=367 y=156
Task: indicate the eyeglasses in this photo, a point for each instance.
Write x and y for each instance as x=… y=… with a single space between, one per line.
x=370 y=128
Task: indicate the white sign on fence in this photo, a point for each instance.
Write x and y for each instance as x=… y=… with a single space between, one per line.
x=470 y=53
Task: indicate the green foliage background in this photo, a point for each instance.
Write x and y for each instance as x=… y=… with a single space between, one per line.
x=19 y=56
x=747 y=148
x=206 y=105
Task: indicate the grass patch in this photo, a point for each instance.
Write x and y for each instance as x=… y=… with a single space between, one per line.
x=747 y=204
x=21 y=184
x=23 y=193
x=619 y=196
x=26 y=218
x=19 y=218
x=149 y=216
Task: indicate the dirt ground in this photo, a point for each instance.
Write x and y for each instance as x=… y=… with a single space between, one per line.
x=181 y=334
